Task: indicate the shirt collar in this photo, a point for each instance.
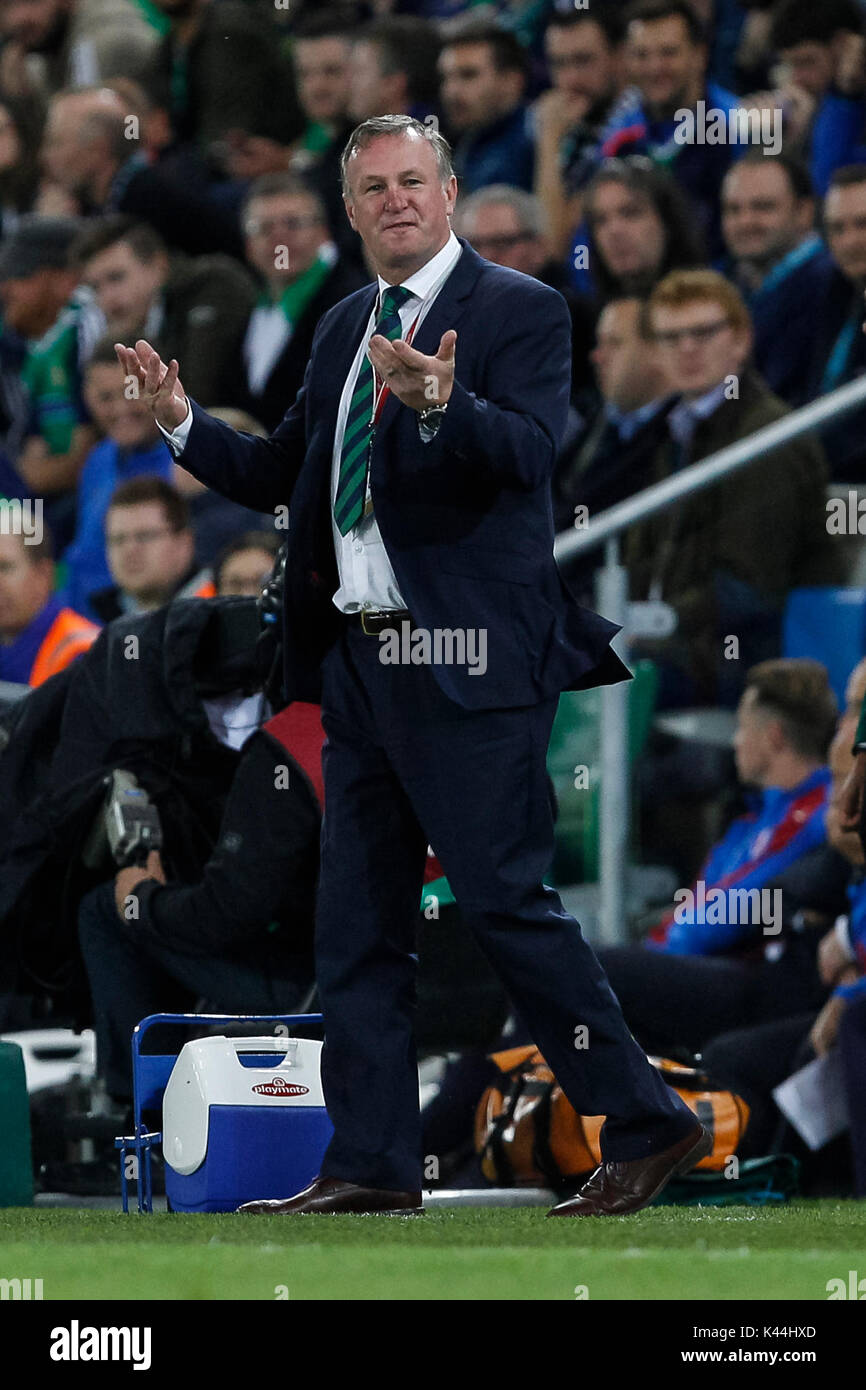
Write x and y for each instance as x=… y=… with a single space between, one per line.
x=686 y=415
x=628 y=422
x=424 y=281
x=773 y=798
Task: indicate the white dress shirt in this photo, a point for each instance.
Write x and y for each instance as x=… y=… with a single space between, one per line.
x=366 y=577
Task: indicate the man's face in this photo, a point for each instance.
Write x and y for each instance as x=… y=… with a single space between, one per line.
x=663 y=62
x=398 y=205
x=146 y=558
x=246 y=573
x=628 y=232
x=26 y=585
x=125 y=286
x=283 y=228
x=474 y=94
x=31 y=305
x=761 y=218
x=581 y=64
x=698 y=346
x=67 y=159
x=31 y=22
x=322 y=77
x=754 y=741
x=370 y=92
x=498 y=235
x=620 y=356
x=840 y=760
x=845 y=229
x=840 y=757
x=128 y=422
x=810 y=65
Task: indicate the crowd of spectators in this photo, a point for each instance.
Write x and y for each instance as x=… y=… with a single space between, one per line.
x=689 y=174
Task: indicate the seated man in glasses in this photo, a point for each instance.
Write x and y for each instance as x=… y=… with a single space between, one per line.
x=150 y=548
x=724 y=558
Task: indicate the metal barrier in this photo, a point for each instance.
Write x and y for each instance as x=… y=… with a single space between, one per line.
x=612 y=601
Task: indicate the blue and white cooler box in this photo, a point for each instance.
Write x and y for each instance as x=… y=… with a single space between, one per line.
x=238 y=1127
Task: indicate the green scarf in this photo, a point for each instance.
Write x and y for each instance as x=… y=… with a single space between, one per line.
x=297 y=295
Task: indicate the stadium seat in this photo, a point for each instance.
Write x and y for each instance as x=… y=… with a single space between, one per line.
x=828 y=625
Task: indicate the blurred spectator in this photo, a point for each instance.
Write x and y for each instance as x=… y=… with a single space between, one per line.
x=839 y=345
x=245 y=565
x=756 y=1059
x=583 y=51
x=392 y=68
x=39 y=635
x=508 y=226
x=132 y=445
x=778 y=262
x=484 y=72
x=194 y=309
x=666 y=59
x=290 y=248
x=92 y=150
x=21 y=120
x=740 y=959
x=822 y=49
x=60 y=322
x=639 y=227
x=49 y=44
x=220 y=73
x=321 y=52
x=725 y=558
x=151 y=550
x=611 y=459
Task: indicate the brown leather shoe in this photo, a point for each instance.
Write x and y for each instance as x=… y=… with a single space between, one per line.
x=615 y=1189
x=332 y=1196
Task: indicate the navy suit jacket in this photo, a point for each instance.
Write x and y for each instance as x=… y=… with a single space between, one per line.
x=466 y=519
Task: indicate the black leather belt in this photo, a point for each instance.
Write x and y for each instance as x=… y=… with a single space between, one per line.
x=376 y=620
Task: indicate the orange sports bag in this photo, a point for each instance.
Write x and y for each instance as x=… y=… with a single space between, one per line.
x=528 y=1134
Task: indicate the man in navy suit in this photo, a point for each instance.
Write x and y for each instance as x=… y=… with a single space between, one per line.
x=423 y=601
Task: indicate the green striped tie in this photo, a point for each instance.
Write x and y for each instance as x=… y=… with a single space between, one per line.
x=352 y=485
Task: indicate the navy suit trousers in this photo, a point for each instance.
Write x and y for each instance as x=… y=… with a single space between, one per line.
x=404 y=765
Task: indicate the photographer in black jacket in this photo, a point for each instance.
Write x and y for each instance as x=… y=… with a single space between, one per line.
x=240 y=937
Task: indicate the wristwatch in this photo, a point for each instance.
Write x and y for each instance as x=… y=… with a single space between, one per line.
x=433 y=415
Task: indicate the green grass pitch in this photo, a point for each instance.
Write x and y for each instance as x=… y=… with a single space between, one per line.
x=787 y=1252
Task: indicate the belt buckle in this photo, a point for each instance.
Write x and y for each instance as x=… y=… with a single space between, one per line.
x=365 y=613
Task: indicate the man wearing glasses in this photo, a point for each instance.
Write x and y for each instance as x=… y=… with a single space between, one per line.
x=151 y=550
x=726 y=557
x=302 y=275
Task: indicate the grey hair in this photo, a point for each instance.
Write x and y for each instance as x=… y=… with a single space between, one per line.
x=529 y=209
x=376 y=126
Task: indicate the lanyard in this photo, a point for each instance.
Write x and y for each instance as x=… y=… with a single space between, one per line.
x=382 y=391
